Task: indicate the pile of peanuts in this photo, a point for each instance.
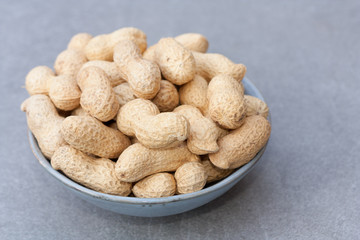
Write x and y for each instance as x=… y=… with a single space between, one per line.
x=124 y=119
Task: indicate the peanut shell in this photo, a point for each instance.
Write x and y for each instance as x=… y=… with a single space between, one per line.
x=167 y=98
x=209 y=65
x=142 y=75
x=95 y=173
x=194 y=93
x=214 y=173
x=102 y=46
x=226 y=102
x=44 y=122
x=97 y=98
x=92 y=136
x=69 y=62
x=79 y=41
x=255 y=106
x=193 y=41
x=141 y=118
x=203 y=131
x=190 y=177
x=242 y=144
x=155 y=186
x=137 y=161
x=176 y=63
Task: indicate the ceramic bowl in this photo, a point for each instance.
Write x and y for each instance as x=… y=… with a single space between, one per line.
x=152 y=207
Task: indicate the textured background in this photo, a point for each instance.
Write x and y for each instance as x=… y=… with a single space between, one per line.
x=303 y=56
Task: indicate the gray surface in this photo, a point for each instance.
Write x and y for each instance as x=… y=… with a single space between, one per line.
x=303 y=56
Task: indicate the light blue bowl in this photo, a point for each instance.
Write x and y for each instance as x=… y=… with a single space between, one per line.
x=153 y=207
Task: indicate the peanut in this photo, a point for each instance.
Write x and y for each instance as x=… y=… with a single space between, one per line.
x=44 y=122
x=141 y=118
x=255 y=106
x=38 y=80
x=124 y=93
x=79 y=41
x=62 y=90
x=214 y=173
x=194 y=93
x=242 y=144
x=137 y=161
x=149 y=53
x=97 y=98
x=208 y=65
x=142 y=75
x=203 y=132
x=65 y=93
x=193 y=41
x=155 y=186
x=95 y=173
x=176 y=63
x=167 y=98
x=91 y=136
x=69 y=62
x=116 y=77
x=226 y=101
x=101 y=47
x=79 y=111
x=190 y=177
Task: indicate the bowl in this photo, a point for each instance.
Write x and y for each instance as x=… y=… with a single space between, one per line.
x=153 y=207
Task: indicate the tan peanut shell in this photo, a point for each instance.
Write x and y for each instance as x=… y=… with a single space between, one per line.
x=44 y=122
x=79 y=41
x=65 y=93
x=124 y=93
x=92 y=136
x=242 y=144
x=137 y=161
x=149 y=53
x=255 y=106
x=155 y=186
x=214 y=173
x=176 y=63
x=167 y=98
x=203 y=131
x=193 y=41
x=190 y=177
x=226 y=102
x=111 y=69
x=69 y=62
x=102 y=46
x=79 y=111
x=95 y=173
x=141 y=118
x=194 y=93
x=208 y=65
x=142 y=75
x=62 y=90
x=38 y=80
x=97 y=98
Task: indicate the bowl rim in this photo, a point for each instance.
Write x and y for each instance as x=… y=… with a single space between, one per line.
x=241 y=172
